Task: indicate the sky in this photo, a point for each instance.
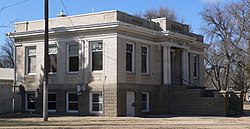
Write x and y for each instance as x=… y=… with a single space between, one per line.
x=28 y=10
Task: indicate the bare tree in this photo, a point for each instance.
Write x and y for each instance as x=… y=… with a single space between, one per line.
x=158 y=13
x=7 y=54
x=226 y=58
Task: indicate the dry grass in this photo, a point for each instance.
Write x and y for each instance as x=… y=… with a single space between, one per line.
x=35 y=121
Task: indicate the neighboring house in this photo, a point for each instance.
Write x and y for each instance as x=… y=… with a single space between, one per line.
x=6 y=83
x=107 y=63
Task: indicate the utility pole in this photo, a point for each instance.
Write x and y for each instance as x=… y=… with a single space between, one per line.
x=46 y=61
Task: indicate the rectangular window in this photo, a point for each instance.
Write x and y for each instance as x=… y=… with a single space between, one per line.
x=196 y=66
x=72 y=102
x=129 y=57
x=31 y=60
x=96 y=102
x=52 y=102
x=30 y=102
x=52 y=59
x=73 y=58
x=97 y=55
x=145 y=102
x=144 y=60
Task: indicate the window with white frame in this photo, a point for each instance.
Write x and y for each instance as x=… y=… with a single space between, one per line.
x=196 y=65
x=51 y=102
x=97 y=55
x=145 y=102
x=144 y=60
x=30 y=102
x=129 y=57
x=96 y=102
x=52 y=59
x=72 y=102
x=73 y=57
x=31 y=60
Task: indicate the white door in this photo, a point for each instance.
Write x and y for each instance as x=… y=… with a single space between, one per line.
x=130 y=104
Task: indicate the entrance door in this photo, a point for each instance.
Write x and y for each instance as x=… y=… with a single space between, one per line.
x=130 y=104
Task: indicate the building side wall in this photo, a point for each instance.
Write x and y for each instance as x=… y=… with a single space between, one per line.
x=154 y=76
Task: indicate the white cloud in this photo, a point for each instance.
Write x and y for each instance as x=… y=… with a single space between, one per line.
x=211 y=1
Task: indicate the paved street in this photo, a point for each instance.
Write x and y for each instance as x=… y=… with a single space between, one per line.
x=24 y=121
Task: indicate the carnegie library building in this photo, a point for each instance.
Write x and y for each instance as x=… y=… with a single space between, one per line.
x=114 y=64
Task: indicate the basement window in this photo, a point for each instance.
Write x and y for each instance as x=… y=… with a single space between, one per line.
x=72 y=102
x=96 y=102
x=145 y=102
x=30 y=102
x=52 y=102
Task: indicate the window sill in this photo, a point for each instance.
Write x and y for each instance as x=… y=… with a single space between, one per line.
x=196 y=78
x=30 y=110
x=51 y=110
x=97 y=71
x=31 y=74
x=145 y=74
x=54 y=73
x=72 y=72
x=96 y=112
x=72 y=111
x=130 y=72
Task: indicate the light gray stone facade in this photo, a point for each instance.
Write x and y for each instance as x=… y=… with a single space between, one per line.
x=170 y=63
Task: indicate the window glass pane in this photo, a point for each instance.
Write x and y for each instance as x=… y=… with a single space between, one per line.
x=31 y=51
x=52 y=97
x=97 y=46
x=31 y=98
x=128 y=61
x=73 y=63
x=129 y=47
x=73 y=97
x=144 y=106
x=196 y=64
x=97 y=107
x=31 y=101
x=53 y=63
x=31 y=105
x=73 y=106
x=144 y=102
x=144 y=97
x=73 y=49
x=97 y=60
x=97 y=97
x=144 y=50
x=31 y=64
x=144 y=64
x=129 y=57
x=52 y=50
x=52 y=105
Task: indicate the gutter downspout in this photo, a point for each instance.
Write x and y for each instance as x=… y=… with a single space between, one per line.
x=14 y=81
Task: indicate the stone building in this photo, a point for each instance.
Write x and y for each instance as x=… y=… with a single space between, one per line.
x=108 y=63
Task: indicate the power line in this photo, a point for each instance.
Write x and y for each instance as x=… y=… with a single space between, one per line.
x=6 y=7
x=71 y=22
